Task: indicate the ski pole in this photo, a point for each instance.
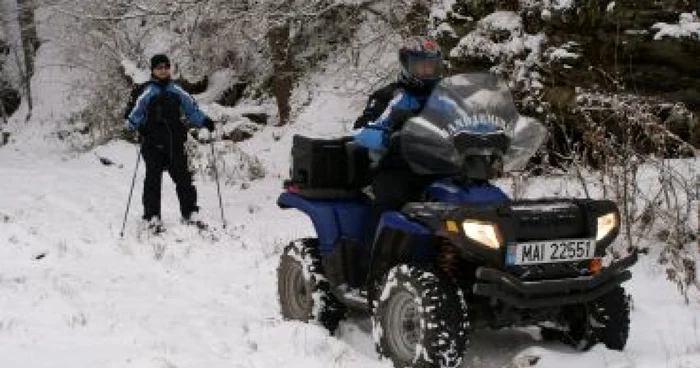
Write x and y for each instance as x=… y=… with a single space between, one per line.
x=218 y=186
x=131 y=191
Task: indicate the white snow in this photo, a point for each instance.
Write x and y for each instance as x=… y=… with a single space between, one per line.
x=557 y=5
x=546 y=14
x=72 y=294
x=94 y=300
x=446 y=28
x=611 y=7
x=560 y=4
x=503 y=20
x=138 y=75
x=440 y=9
x=479 y=42
x=561 y=53
x=688 y=26
x=219 y=82
x=517 y=45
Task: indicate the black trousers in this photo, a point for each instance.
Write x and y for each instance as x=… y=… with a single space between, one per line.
x=160 y=158
x=392 y=189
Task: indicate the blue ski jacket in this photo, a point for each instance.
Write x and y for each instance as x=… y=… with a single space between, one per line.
x=156 y=109
x=386 y=112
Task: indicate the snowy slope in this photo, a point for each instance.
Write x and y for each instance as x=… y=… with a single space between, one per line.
x=73 y=295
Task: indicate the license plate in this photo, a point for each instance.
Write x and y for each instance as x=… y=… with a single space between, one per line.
x=550 y=251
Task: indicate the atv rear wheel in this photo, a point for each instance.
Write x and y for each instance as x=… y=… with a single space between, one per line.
x=304 y=292
x=420 y=319
x=606 y=320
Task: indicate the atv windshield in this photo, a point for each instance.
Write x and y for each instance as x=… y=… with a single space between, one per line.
x=469 y=115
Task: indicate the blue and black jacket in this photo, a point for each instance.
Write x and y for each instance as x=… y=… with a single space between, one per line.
x=156 y=110
x=387 y=110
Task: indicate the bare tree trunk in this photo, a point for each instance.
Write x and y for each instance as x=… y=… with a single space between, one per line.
x=30 y=43
x=3 y=111
x=282 y=79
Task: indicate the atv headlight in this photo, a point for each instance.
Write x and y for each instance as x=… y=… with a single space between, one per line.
x=606 y=224
x=483 y=232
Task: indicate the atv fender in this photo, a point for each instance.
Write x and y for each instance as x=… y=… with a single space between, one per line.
x=399 y=240
x=332 y=219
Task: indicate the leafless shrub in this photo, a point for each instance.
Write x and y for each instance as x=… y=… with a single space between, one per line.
x=233 y=164
x=626 y=154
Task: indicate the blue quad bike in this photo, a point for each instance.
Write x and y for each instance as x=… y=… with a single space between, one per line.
x=466 y=257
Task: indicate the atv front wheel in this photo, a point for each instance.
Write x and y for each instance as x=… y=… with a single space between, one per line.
x=606 y=320
x=304 y=292
x=420 y=319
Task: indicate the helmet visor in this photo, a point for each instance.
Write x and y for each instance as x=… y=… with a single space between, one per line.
x=425 y=67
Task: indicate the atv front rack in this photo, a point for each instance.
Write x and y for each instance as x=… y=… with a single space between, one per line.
x=513 y=292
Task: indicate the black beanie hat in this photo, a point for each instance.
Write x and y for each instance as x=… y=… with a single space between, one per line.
x=159 y=59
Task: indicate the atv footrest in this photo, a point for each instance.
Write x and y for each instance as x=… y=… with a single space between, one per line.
x=548 y=293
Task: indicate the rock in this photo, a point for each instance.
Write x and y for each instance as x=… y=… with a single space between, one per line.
x=232 y=95
x=257 y=118
x=10 y=100
x=239 y=135
x=194 y=88
x=240 y=131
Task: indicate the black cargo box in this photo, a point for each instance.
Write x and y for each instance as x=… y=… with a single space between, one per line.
x=328 y=168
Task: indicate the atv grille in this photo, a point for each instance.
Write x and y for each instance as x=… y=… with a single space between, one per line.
x=549 y=220
x=550 y=271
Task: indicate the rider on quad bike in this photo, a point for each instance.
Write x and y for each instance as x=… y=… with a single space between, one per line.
x=461 y=256
x=394 y=183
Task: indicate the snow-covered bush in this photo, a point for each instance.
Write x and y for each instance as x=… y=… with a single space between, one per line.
x=628 y=139
x=688 y=26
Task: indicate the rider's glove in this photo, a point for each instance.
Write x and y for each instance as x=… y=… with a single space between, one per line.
x=373 y=137
x=209 y=124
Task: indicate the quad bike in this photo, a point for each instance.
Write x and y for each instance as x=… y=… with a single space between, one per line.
x=467 y=256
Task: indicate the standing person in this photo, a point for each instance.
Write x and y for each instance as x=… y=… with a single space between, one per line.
x=155 y=110
x=394 y=183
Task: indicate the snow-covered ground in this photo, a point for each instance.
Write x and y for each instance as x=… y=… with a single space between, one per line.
x=72 y=294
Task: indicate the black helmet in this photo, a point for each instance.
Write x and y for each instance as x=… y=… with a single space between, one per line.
x=421 y=62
